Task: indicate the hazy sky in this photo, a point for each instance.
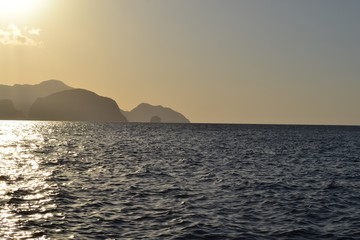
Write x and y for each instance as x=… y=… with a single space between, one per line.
x=240 y=61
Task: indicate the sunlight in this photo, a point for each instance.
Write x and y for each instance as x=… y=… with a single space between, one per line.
x=25 y=192
x=18 y=8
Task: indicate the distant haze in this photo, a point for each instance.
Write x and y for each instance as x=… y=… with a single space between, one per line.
x=245 y=61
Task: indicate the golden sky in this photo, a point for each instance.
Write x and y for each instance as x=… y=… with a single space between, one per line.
x=258 y=61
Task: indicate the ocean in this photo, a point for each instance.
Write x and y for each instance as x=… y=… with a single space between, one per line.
x=73 y=180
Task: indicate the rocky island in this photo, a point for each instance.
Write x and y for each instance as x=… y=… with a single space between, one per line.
x=146 y=113
x=8 y=111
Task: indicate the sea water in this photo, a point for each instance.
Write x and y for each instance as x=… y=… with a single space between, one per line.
x=61 y=180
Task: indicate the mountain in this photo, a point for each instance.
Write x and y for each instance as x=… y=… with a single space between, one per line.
x=146 y=112
x=76 y=105
x=23 y=96
x=8 y=111
x=54 y=100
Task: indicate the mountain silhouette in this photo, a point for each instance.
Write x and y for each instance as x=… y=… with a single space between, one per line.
x=146 y=112
x=54 y=100
x=23 y=96
x=76 y=105
x=8 y=111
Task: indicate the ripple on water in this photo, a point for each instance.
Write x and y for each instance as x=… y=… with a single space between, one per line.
x=62 y=180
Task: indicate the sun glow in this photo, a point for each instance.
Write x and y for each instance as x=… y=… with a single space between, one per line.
x=18 y=8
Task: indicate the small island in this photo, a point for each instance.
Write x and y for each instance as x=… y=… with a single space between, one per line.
x=155 y=119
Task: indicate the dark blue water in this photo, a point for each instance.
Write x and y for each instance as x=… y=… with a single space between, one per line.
x=148 y=181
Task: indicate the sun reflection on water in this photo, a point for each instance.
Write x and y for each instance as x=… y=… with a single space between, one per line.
x=26 y=194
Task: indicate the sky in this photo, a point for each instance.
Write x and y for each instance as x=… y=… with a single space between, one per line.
x=228 y=61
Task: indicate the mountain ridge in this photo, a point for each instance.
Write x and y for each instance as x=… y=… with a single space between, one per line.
x=20 y=98
x=24 y=95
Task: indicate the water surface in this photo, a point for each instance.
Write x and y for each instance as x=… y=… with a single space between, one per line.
x=63 y=180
